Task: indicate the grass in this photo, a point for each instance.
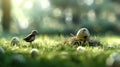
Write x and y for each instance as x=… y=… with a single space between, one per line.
x=53 y=55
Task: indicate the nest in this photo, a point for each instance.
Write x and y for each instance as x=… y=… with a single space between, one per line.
x=82 y=38
x=80 y=42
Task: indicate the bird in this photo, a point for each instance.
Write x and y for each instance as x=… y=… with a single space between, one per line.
x=31 y=37
x=34 y=52
x=81 y=38
x=83 y=34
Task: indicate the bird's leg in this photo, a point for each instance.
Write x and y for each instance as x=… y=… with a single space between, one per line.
x=30 y=43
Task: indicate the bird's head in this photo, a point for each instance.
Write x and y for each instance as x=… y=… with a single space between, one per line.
x=35 y=32
x=83 y=34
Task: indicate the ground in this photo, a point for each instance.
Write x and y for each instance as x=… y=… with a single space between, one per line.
x=52 y=54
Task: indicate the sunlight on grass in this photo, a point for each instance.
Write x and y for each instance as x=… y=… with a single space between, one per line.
x=50 y=51
x=111 y=40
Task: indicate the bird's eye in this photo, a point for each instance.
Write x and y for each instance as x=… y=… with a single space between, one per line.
x=85 y=37
x=84 y=30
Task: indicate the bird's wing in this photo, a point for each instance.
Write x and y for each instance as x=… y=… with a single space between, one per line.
x=28 y=37
x=32 y=38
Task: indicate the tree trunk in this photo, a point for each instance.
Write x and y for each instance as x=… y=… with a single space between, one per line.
x=6 y=7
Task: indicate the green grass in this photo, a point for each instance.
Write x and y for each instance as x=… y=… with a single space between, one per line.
x=53 y=55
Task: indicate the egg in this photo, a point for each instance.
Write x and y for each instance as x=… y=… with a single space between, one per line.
x=15 y=41
x=113 y=60
x=34 y=52
x=18 y=59
x=80 y=48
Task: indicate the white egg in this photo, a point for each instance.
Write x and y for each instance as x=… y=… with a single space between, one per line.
x=18 y=59
x=113 y=60
x=80 y=48
x=34 y=52
x=2 y=50
x=15 y=41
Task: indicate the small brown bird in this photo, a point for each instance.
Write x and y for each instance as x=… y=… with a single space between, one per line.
x=31 y=36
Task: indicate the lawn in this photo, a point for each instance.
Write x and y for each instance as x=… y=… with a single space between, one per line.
x=52 y=54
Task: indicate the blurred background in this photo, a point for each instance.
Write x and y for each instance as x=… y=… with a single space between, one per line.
x=59 y=16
